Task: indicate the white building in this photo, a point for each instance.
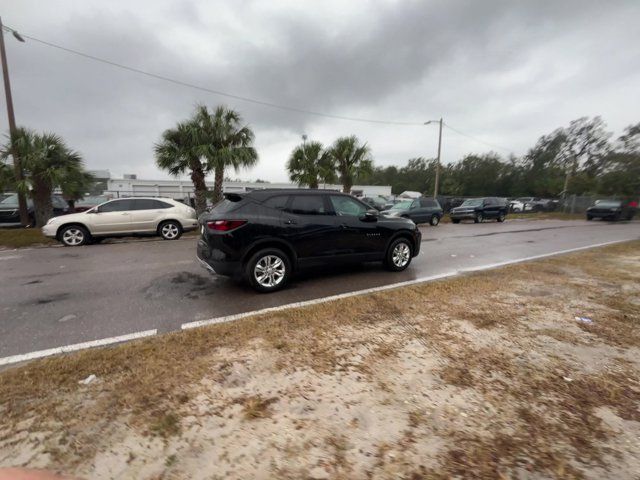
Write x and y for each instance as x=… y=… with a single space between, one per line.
x=183 y=189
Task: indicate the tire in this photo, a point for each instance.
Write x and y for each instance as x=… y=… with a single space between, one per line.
x=455 y=220
x=435 y=220
x=479 y=218
x=74 y=236
x=398 y=256
x=261 y=261
x=170 y=230
x=501 y=217
x=589 y=217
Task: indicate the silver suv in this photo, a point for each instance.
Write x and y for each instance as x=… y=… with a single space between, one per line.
x=123 y=217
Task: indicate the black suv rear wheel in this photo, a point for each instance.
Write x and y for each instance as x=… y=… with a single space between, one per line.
x=398 y=255
x=268 y=270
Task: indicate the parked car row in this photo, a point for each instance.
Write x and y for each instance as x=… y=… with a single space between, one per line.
x=264 y=236
x=532 y=204
x=10 y=213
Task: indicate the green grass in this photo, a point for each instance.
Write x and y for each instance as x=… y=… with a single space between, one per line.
x=23 y=237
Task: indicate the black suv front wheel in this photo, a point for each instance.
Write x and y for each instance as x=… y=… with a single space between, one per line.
x=398 y=255
x=268 y=270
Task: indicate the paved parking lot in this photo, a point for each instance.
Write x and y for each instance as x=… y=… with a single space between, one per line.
x=52 y=297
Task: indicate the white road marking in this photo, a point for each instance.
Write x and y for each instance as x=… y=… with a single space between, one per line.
x=77 y=346
x=10 y=257
x=238 y=316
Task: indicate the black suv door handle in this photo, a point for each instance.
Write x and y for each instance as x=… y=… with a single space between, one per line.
x=343 y=225
x=290 y=222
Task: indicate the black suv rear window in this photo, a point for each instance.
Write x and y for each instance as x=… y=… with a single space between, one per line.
x=227 y=205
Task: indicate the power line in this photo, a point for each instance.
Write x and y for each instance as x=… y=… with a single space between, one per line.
x=240 y=97
x=210 y=90
x=477 y=139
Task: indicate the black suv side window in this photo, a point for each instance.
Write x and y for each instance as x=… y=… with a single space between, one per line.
x=308 y=205
x=344 y=205
x=279 y=202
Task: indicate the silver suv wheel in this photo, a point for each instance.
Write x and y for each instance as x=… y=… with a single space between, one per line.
x=170 y=231
x=73 y=236
x=401 y=255
x=269 y=271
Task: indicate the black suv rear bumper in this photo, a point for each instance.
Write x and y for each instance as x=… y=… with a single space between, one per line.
x=215 y=261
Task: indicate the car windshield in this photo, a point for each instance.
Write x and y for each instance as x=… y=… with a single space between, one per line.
x=472 y=202
x=401 y=205
x=10 y=201
x=608 y=204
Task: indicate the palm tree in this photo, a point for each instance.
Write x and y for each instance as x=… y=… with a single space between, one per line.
x=75 y=185
x=351 y=159
x=47 y=162
x=227 y=143
x=309 y=164
x=179 y=151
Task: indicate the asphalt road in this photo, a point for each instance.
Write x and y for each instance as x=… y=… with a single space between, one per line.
x=51 y=297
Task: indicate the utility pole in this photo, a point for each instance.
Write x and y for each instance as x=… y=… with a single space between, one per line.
x=437 y=182
x=22 y=201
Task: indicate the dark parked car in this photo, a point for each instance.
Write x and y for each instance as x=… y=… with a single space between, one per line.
x=420 y=210
x=611 y=210
x=10 y=214
x=265 y=235
x=480 y=209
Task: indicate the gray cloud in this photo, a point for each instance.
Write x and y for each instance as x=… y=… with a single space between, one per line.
x=500 y=70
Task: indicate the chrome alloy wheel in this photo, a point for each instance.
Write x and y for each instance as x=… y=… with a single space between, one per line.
x=269 y=271
x=170 y=231
x=401 y=255
x=73 y=237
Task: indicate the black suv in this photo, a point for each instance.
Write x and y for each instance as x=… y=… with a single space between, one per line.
x=264 y=235
x=479 y=209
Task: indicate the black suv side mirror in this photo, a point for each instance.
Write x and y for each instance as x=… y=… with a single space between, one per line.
x=370 y=216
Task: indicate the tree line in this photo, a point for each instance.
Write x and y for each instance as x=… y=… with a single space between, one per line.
x=578 y=159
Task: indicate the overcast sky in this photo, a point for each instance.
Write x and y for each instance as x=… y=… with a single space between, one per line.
x=502 y=71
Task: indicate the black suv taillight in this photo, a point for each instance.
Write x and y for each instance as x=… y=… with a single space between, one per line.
x=225 y=225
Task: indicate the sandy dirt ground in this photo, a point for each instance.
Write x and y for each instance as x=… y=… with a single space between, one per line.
x=484 y=376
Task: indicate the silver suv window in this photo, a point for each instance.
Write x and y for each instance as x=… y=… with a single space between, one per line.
x=116 y=206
